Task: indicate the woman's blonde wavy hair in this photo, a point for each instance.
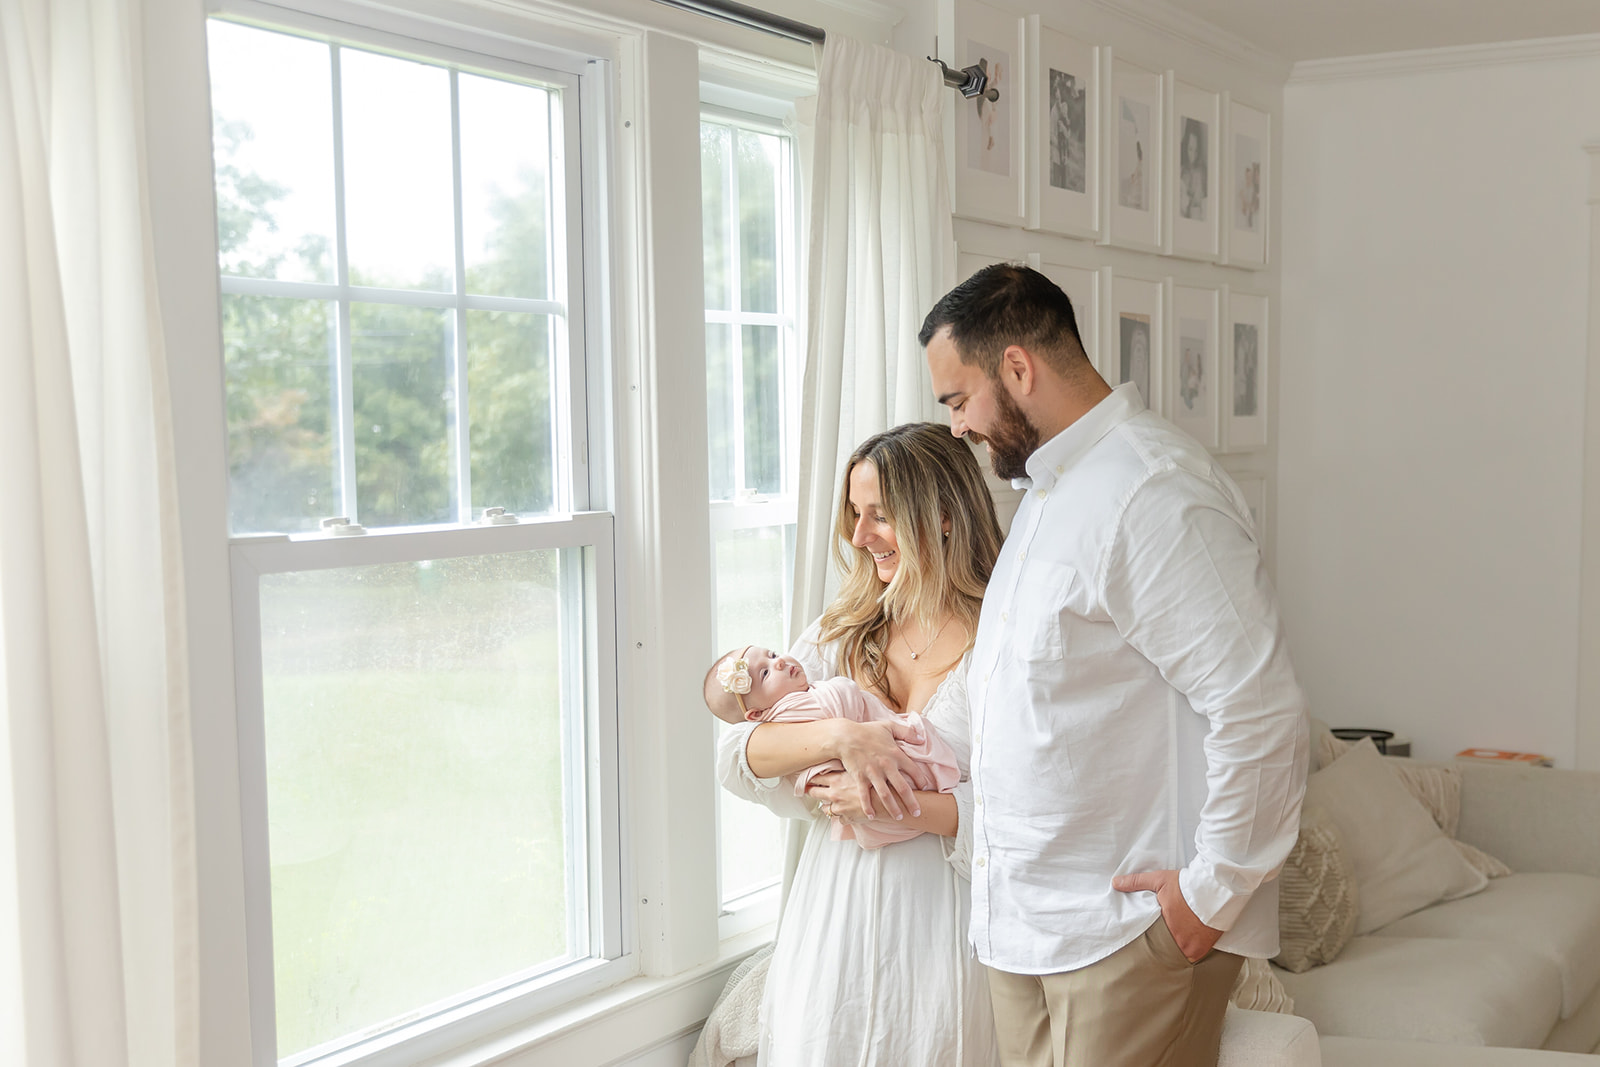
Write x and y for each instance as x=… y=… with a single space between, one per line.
x=926 y=477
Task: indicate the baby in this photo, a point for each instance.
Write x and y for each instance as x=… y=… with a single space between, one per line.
x=757 y=685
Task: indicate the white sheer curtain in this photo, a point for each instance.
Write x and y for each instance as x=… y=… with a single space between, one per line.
x=881 y=252
x=98 y=923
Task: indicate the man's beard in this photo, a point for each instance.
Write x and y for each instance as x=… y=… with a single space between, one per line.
x=1012 y=439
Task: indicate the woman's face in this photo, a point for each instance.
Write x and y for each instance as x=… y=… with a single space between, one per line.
x=872 y=530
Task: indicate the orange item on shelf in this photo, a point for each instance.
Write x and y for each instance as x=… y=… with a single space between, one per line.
x=1504 y=758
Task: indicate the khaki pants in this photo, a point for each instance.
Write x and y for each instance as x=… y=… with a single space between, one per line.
x=1144 y=1005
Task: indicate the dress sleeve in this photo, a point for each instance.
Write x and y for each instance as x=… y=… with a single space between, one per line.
x=949 y=714
x=776 y=794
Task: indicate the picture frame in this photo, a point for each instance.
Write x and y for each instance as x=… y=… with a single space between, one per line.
x=990 y=137
x=1194 y=384
x=1082 y=286
x=1194 y=200
x=1132 y=342
x=1134 y=121
x=1247 y=370
x=1064 y=130
x=1248 y=184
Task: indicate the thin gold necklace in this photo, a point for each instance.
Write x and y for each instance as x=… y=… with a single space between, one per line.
x=914 y=652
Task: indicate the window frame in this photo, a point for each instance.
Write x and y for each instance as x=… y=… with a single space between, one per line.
x=582 y=426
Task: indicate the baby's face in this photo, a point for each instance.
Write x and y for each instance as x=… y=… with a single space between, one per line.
x=772 y=677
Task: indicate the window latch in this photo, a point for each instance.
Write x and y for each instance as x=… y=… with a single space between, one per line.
x=341 y=526
x=497 y=517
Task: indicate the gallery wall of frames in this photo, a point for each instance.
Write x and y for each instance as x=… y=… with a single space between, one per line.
x=1146 y=192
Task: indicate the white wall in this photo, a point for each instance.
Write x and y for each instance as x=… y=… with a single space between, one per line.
x=1435 y=285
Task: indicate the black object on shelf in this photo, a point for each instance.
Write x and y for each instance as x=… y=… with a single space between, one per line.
x=1355 y=733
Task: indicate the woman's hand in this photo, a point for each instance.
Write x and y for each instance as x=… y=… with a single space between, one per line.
x=838 y=795
x=876 y=763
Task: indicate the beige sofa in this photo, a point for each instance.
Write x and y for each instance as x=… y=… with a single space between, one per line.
x=1515 y=966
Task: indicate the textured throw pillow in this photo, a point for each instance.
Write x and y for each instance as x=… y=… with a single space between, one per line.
x=1258 y=989
x=1401 y=859
x=1316 y=896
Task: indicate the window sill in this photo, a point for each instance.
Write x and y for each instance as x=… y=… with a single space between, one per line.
x=626 y=1020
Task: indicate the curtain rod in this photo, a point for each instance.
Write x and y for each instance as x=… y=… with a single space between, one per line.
x=971 y=81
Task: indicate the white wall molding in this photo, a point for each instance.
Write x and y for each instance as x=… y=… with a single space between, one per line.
x=1163 y=18
x=1428 y=60
x=1587 y=744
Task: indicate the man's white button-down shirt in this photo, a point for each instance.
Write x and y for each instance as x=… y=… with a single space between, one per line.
x=1133 y=705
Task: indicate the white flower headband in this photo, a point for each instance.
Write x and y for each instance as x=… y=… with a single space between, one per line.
x=734 y=674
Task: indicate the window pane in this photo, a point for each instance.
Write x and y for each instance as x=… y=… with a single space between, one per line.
x=399 y=199
x=402 y=359
x=720 y=411
x=272 y=132
x=509 y=396
x=505 y=178
x=758 y=221
x=751 y=569
x=279 y=357
x=714 y=214
x=415 y=800
x=763 y=410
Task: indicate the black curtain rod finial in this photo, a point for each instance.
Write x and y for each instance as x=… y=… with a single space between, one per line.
x=970 y=81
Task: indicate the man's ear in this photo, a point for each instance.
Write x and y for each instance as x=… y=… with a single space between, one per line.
x=1016 y=364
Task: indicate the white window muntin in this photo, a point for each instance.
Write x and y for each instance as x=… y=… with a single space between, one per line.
x=590 y=743
x=565 y=210
x=737 y=316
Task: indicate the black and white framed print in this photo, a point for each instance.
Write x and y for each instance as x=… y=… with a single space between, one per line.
x=991 y=150
x=1193 y=171
x=1193 y=382
x=1248 y=181
x=1247 y=364
x=1132 y=342
x=1135 y=143
x=1064 y=127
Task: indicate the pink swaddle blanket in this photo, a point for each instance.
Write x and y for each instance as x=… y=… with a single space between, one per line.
x=841 y=698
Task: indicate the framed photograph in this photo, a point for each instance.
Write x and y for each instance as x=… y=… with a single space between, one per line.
x=1082 y=286
x=1254 y=488
x=1247 y=363
x=1193 y=172
x=1134 y=155
x=1248 y=185
x=990 y=135
x=1064 y=125
x=1131 y=344
x=1193 y=384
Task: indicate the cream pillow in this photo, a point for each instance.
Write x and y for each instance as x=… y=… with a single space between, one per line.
x=1316 y=896
x=1402 y=861
x=1258 y=989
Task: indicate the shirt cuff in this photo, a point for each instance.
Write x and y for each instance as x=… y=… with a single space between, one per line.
x=1213 y=903
x=958 y=849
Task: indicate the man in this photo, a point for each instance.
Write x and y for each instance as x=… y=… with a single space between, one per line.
x=1139 y=743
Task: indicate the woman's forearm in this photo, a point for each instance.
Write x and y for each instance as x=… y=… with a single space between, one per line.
x=779 y=748
x=939 y=815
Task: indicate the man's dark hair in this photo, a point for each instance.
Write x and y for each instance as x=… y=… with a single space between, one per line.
x=1008 y=304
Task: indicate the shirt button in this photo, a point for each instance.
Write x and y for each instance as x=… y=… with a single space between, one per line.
x=1059 y=469
x=1004 y=616
x=977 y=802
x=982 y=862
x=1021 y=556
x=1041 y=494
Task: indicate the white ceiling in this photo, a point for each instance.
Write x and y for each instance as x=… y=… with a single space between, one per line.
x=1321 y=29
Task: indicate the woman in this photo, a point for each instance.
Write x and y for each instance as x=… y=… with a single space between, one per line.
x=872 y=964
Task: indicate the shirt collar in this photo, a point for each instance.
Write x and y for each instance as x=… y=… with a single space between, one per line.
x=1051 y=459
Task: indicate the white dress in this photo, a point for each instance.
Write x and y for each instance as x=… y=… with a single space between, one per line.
x=872 y=964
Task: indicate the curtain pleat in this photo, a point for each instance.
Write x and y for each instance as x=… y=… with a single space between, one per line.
x=98 y=932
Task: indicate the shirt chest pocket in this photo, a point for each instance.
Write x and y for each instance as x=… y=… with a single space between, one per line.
x=1042 y=598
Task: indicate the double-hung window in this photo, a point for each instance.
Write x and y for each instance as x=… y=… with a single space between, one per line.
x=748 y=216
x=423 y=567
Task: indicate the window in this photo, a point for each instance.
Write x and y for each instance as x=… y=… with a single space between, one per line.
x=752 y=368
x=423 y=578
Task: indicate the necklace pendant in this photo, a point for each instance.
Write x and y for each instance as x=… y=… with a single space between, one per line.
x=913 y=655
